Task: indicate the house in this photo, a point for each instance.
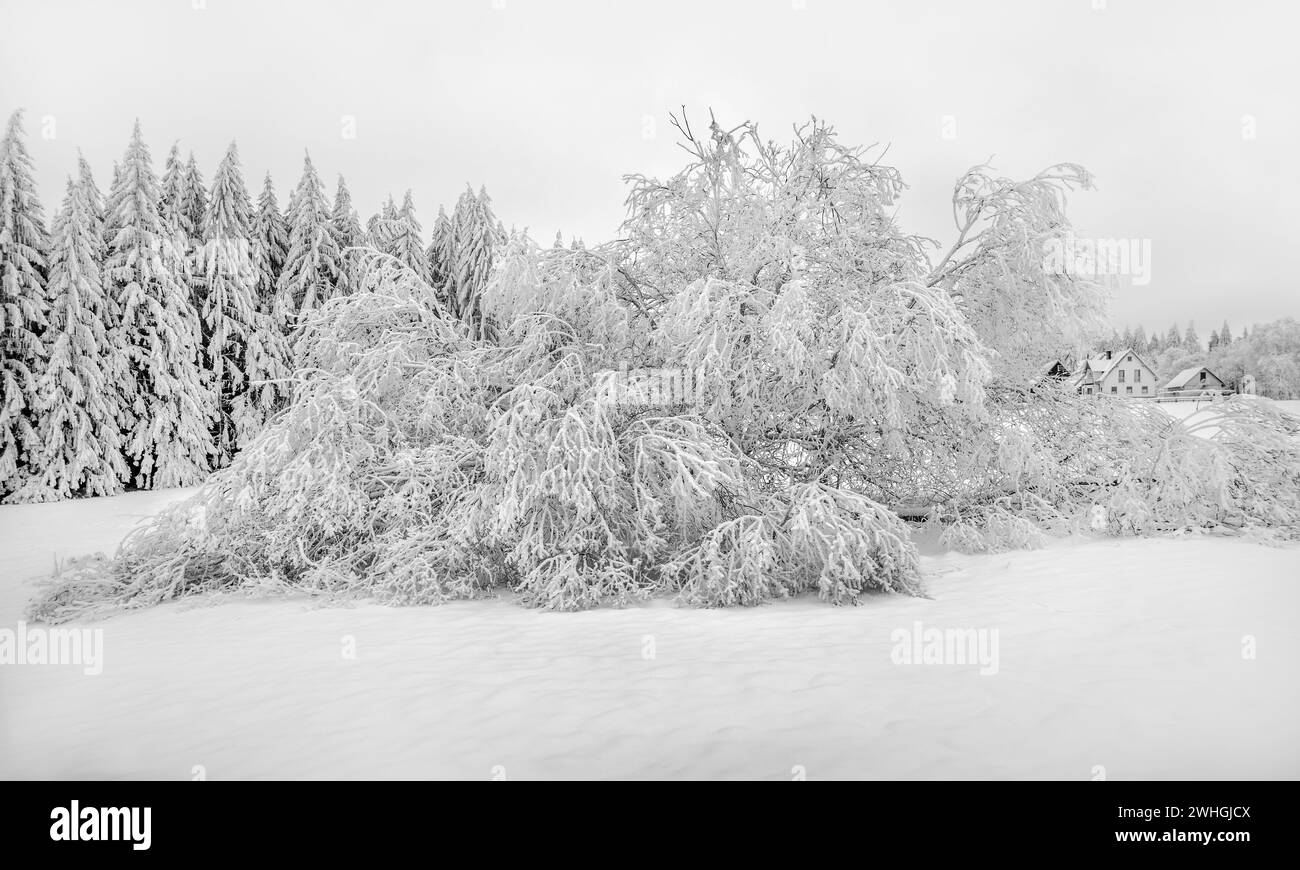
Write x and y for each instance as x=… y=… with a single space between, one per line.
x=1195 y=381
x=1055 y=373
x=1115 y=375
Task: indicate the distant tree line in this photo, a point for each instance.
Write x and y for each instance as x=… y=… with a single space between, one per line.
x=1270 y=352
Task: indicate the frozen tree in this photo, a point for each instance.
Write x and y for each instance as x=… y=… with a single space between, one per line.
x=1225 y=334
x=312 y=266
x=441 y=256
x=732 y=403
x=194 y=198
x=348 y=234
x=23 y=305
x=408 y=243
x=94 y=198
x=80 y=449
x=271 y=249
x=172 y=194
x=242 y=346
x=1192 y=341
x=1214 y=340
x=1140 y=341
x=475 y=240
x=168 y=442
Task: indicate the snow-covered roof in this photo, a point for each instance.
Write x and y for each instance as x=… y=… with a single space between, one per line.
x=1181 y=379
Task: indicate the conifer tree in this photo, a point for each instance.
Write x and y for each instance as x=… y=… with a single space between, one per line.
x=168 y=441
x=194 y=199
x=172 y=193
x=23 y=304
x=1191 y=341
x=1140 y=342
x=1225 y=334
x=348 y=234
x=441 y=256
x=311 y=271
x=79 y=415
x=476 y=237
x=408 y=244
x=90 y=190
x=235 y=335
x=271 y=238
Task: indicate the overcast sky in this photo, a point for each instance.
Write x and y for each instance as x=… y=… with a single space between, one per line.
x=1185 y=111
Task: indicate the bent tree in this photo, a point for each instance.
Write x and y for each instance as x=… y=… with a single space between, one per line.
x=840 y=370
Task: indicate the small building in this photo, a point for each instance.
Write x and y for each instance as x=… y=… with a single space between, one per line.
x=1116 y=375
x=1055 y=373
x=1195 y=381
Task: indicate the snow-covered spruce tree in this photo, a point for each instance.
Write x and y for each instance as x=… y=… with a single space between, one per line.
x=241 y=344
x=271 y=238
x=348 y=234
x=23 y=306
x=194 y=198
x=79 y=413
x=167 y=442
x=171 y=192
x=731 y=403
x=408 y=245
x=439 y=255
x=476 y=236
x=268 y=394
x=91 y=192
x=311 y=270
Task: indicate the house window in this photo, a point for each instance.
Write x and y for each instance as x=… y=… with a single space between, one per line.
x=1128 y=358
x=1090 y=391
x=1137 y=375
x=1144 y=391
x=1128 y=389
x=1202 y=375
x=1114 y=389
x=1121 y=376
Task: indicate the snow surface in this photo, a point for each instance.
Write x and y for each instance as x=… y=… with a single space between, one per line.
x=1201 y=414
x=1125 y=655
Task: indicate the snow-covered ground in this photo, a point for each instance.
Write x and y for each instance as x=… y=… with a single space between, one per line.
x=1132 y=656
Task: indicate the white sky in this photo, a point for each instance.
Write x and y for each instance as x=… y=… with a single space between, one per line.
x=546 y=102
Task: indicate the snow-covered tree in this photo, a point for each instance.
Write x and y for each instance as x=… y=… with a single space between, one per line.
x=732 y=403
x=24 y=305
x=348 y=234
x=1140 y=342
x=475 y=241
x=407 y=244
x=171 y=194
x=1192 y=341
x=271 y=238
x=241 y=344
x=79 y=411
x=1173 y=338
x=168 y=442
x=91 y=192
x=311 y=270
x=193 y=202
x=441 y=256
x=1225 y=334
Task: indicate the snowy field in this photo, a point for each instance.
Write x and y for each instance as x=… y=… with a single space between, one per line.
x=1122 y=655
